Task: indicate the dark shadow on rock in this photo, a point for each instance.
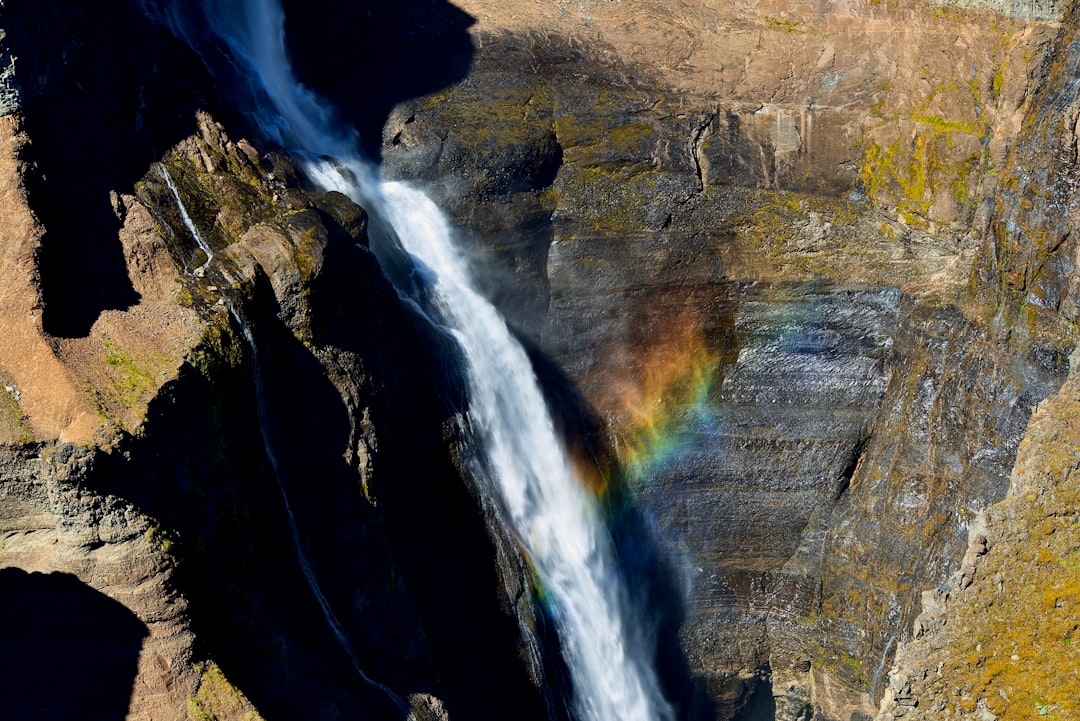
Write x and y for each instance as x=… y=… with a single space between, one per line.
x=200 y=468
x=103 y=94
x=761 y=706
x=657 y=604
x=440 y=537
x=366 y=56
x=68 y=652
x=405 y=562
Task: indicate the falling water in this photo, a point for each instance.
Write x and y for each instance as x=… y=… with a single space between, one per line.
x=294 y=529
x=518 y=449
x=164 y=172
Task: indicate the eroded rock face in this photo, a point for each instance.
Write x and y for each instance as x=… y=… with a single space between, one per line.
x=992 y=642
x=767 y=285
x=68 y=553
x=973 y=649
x=174 y=519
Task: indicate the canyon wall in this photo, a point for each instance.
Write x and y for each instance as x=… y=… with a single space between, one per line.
x=287 y=536
x=807 y=269
x=794 y=277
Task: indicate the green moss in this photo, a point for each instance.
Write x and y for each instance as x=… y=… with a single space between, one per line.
x=305 y=256
x=184 y=296
x=217 y=350
x=997 y=80
x=218 y=700
x=609 y=199
x=223 y=202
x=772 y=238
x=923 y=157
x=784 y=26
x=498 y=117
x=971 y=127
x=130 y=380
x=12 y=421
x=548 y=198
x=844 y=665
x=160 y=538
x=629 y=137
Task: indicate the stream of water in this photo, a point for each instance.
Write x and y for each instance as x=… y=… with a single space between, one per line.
x=164 y=172
x=299 y=549
x=518 y=452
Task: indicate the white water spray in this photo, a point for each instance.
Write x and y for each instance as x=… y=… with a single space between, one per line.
x=557 y=521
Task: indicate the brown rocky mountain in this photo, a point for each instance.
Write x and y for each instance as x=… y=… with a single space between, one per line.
x=798 y=279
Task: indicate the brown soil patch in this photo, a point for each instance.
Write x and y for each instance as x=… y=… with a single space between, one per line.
x=72 y=389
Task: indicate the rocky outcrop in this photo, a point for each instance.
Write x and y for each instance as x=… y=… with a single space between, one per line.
x=989 y=641
x=995 y=641
x=173 y=519
x=58 y=540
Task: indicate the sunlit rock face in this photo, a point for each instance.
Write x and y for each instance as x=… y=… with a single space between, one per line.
x=793 y=277
x=759 y=274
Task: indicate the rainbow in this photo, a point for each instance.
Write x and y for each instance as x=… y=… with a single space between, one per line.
x=670 y=401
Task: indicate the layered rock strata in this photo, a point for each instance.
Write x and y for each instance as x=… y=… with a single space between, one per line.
x=996 y=640
x=773 y=254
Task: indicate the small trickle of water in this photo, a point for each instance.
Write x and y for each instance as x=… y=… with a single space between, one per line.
x=294 y=530
x=299 y=549
x=164 y=173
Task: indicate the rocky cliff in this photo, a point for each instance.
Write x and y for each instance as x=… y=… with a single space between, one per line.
x=809 y=269
x=794 y=277
x=227 y=442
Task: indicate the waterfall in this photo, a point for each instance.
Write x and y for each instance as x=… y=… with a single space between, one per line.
x=164 y=172
x=518 y=454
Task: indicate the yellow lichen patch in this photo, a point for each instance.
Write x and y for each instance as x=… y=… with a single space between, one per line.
x=1026 y=623
x=923 y=159
x=913 y=177
x=784 y=26
x=1010 y=642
